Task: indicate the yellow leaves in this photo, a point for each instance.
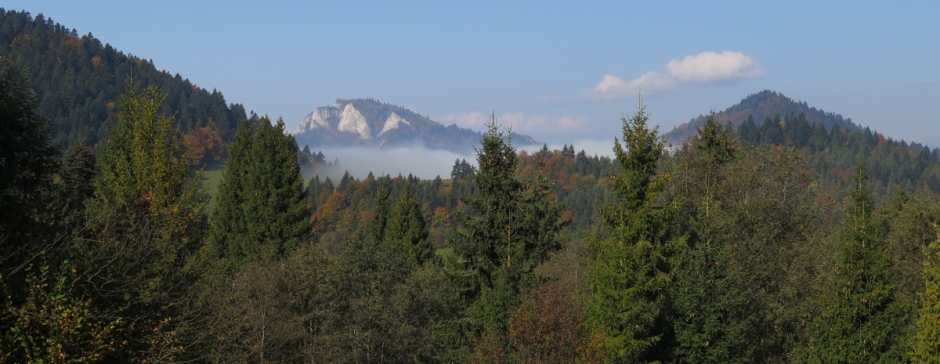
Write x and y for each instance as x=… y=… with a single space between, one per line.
x=96 y=62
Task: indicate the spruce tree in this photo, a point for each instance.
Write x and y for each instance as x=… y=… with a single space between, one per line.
x=228 y=235
x=407 y=230
x=147 y=221
x=711 y=321
x=261 y=212
x=26 y=169
x=511 y=229
x=926 y=348
x=629 y=274
x=749 y=132
x=375 y=229
x=861 y=321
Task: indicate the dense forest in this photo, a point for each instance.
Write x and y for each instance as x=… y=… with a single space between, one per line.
x=788 y=240
x=79 y=79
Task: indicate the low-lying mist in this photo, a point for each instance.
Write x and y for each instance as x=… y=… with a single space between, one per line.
x=590 y=147
x=418 y=161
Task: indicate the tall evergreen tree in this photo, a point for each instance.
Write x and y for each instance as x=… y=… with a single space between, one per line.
x=749 y=132
x=771 y=131
x=27 y=164
x=381 y=212
x=926 y=348
x=229 y=224
x=261 y=211
x=148 y=220
x=630 y=273
x=861 y=321
x=407 y=230
x=511 y=229
x=43 y=317
x=711 y=324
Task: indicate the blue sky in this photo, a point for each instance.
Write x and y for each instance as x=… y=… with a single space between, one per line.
x=561 y=71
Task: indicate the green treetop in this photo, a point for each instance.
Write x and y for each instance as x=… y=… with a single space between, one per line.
x=630 y=272
x=147 y=221
x=511 y=229
x=381 y=211
x=926 y=347
x=262 y=211
x=407 y=230
x=861 y=321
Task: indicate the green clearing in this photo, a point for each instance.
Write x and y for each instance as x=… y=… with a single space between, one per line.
x=444 y=251
x=210 y=179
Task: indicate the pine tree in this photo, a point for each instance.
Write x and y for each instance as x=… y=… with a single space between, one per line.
x=926 y=348
x=630 y=273
x=407 y=230
x=861 y=321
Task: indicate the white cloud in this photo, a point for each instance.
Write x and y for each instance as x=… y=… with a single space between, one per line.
x=710 y=67
x=519 y=122
x=927 y=81
x=705 y=67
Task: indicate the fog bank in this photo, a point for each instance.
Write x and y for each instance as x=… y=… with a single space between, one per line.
x=418 y=161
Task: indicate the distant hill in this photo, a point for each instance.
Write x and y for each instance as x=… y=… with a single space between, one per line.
x=833 y=145
x=760 y=106
x=370 y=123
x=79 y=79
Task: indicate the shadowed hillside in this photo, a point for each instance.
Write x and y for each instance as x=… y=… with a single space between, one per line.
x=78 y=79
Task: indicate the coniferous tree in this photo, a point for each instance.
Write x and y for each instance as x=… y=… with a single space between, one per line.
x=77 y=172
x=27 y=165
x=512 y=228
x=261 y=211
x=44 y=316
x=749 y=132
x=771 y=132
x=407 y=231
x=229 y=224
x=148 y=220
x=926 y=348
x=711 y=322
x=861 y=320
x=381 y=212
x=629 y=274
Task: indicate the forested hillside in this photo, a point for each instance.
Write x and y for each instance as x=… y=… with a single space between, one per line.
x=788 y=240
x=79 y=79
x=759 y=107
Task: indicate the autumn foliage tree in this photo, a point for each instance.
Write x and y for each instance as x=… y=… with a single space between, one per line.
x=205 y=145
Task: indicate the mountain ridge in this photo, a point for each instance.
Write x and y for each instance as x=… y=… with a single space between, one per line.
x=367 y=122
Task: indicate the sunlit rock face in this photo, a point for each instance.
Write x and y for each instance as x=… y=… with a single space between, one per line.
x=392 y=123
x=353 y=121
x=319 y=118
x=373 y=124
